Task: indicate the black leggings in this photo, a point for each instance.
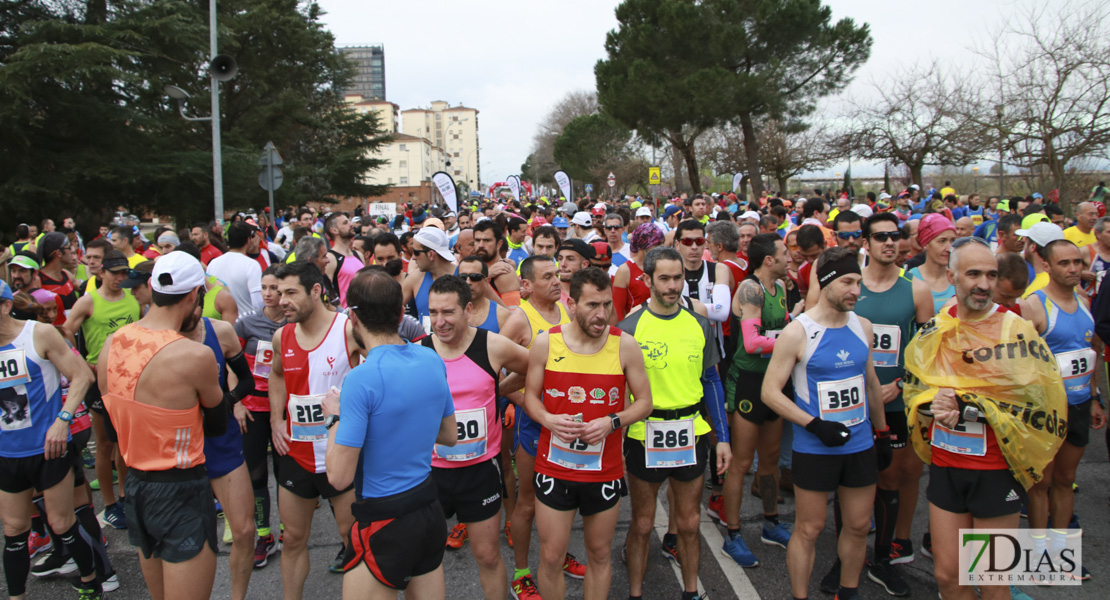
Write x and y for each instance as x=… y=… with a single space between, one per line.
x=256 y=442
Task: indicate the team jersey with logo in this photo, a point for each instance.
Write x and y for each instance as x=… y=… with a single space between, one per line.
x=473 y=384
x=592 y=386
x=892 y=314
x=30 y=396
x=308 y=375
x=830 y=382
x=1068 y=335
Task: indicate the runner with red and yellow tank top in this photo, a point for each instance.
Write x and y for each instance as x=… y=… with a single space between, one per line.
x=577 y=377
x=312 y=354
x=151 y=379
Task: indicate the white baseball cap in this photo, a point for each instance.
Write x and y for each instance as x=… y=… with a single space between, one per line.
x=436 y=240
x=751 y=214
x=863 y=210
x=643 y=211
x=176 y=273
x=582 y=218
x=1042 y=234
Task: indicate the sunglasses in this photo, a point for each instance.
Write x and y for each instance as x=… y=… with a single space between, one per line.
x=885 y=236
x=416 y=252
x=849 y=235
x=698 y=241
x=136 y=274
x=614 y=227
x=475 y=277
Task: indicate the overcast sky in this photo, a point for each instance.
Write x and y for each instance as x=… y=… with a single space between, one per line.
x=513 y=60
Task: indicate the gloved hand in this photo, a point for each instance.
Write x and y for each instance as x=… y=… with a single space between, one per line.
x=831 y=433
x=509 y=418
x=884 y=452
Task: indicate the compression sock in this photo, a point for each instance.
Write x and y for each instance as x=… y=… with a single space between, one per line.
x=733 y=532
x=670 y=539
x=689 y=596
x=772 y=520
x=1057 y=541
x=262 y=512
x=56 y=544
x=1040 y=544
x=37 y=525
x=81 y=552
x=17 y=563
x=90 y=530
x=886 y=516
x=847 y=593
x=518 y=573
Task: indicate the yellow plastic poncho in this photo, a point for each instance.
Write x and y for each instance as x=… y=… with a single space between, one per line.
x=1000 y=365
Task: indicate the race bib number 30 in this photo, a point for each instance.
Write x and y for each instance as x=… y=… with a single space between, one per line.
x=306 y=418
x=843 y=401
x=471 y=444
x=263 y=359
x=13 y=368
x=669 y=444
x=967 y=437
x=577 y=455
x=886 y=345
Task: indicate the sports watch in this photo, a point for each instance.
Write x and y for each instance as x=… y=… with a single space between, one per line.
x=66 y=416
x=616 y=421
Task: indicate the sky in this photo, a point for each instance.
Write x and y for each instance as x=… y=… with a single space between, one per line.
x=513 y=60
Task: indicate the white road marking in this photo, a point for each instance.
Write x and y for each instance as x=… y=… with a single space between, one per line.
x=737 y=578
x=660 y=529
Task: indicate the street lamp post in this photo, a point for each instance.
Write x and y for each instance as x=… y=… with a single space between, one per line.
x=467 y=160
x=975 y=176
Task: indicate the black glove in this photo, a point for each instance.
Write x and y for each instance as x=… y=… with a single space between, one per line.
x=884 y=453
x=831 y=433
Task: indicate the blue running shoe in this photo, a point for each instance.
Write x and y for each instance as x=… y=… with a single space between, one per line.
x=1017 y=594
x=779 y=535
x=738 y=551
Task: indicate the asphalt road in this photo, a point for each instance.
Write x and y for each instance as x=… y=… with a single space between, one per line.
x=719 y=576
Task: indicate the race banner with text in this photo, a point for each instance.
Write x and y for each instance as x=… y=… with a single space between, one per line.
x=563 y=180
x=446 y=186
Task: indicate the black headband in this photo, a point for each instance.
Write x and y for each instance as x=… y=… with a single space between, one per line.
x=848 y=265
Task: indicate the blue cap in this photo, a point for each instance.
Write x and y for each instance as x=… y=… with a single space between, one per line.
x=1037 y=195
x=560 y=222
x=670 y=210
x=5 y=291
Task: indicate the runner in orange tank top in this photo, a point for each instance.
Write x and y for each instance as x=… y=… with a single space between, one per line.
x=151 y=379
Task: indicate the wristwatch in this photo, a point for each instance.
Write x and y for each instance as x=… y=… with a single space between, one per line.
x=616 y=421
x=330 y=420
x=66 y=416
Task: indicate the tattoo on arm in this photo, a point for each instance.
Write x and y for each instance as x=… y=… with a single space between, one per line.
x=751 y=293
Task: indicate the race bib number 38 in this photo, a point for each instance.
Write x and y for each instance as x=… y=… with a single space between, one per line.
x=13 y=368
x=471 y=444
x=843 y=401
x=306 y=418
x=669 y=444
x=263 y=359
x=886 y=345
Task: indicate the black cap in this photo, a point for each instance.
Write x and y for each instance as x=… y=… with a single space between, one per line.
x=138 y=275
x=577 y=245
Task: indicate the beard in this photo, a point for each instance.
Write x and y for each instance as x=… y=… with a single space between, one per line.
x=190 y=322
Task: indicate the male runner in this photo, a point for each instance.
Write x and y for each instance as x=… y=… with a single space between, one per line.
x=837 y=402
x=58 y=261
x=35 y=450
x=97 y=315
x=487 y=246
x=672 y=443
x=312 y=353
x=152 y=379
x=1063 y=320
x=123 y=240
x=516 y=240
x=199 y=235
x=577 y=376
x=240 y=273
x=487 y=314
x=574 y=255
x=468 y=475
x=434 y=258
x=339 y=270
x=398 y=537
x=759 y=308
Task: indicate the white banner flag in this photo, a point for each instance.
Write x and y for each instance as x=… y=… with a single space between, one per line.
x=563 y=180
x=446 y=187
x=514 y=186
x=736 y=179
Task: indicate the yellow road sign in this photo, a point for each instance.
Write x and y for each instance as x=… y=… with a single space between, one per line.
x=653 y=176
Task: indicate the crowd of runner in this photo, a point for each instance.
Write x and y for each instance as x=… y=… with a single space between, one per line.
x=519 y=362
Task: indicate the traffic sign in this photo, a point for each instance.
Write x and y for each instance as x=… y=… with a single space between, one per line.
x=653 y=176
x=270 y=179
x=269 y=156
x=612 y=180
x=589 y=188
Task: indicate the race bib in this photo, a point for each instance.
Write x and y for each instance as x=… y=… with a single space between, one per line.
x=669 y=444
x=886 y=345
x=967 y=437
x=843 y=401
x=15 y=413
x=977 y=220
x=577 y=455
x=263 y=359
x=471 y=444
x=1076 y=364
x=774 y=335
x=427 y=323
x=13 y=368
x=306 y=418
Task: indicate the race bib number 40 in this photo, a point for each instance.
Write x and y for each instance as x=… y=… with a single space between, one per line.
x=577 y=455
x=886 y=345
x=263 y=359
x=471 y=444
x=306 y=418
x=843 y=401
x=669 y=444
x=13 y=368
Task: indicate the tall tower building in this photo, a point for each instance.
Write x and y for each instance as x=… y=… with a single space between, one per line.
x=369 y=81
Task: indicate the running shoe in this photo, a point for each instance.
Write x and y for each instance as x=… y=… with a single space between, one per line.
x=457 y=537
x=901 y=552
x=219 y=509
x=87 y=590
x=264 y=548
x=107 y=584
x=508 y=534
x=1074 y=522
x=716 y=507
x=738 y=551
x=573 y=568
x=95 y=483
x=884 y=574
x=830 y=583
x=37 y=544
x=113 y=515
x=669 y=548
x=54 y=564
x=779 y=535
x=336 y=565
x=88 y=459
x=525 y=589
x=1024 y=512
x=1017 y=594
x=927 y=545
x=228 y=535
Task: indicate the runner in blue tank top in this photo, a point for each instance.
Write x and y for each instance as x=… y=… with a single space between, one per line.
x=1062 y=318
x=837 y=403
x=434 y=259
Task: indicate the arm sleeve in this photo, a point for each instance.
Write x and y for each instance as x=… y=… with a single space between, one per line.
x=720 y=303
x=621 y=300
x=245 y=386
x=753 y=342
x=714 y=396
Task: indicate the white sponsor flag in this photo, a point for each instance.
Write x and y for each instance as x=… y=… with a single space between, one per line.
x=736 y=179
x=446 y=187
x=514 y=186
x=563 y=180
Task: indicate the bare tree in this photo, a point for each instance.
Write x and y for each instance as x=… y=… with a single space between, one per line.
x=788 y=151
x=542 y=158
x=917 y=118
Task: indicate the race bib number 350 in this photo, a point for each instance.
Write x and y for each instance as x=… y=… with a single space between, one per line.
x=843 y=401
x=471 y=444
x=669 y=444
x=306 y=418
